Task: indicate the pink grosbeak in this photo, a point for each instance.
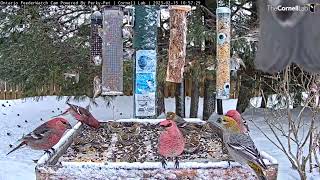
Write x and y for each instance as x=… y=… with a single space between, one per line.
x=45 y=136
x=234 y=114
x=171 y=142
x=83 y=115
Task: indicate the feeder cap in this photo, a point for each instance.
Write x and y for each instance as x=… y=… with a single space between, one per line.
x=96 y=15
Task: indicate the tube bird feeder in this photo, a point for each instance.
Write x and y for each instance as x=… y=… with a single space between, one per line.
x=223 y=56
x=112 y=51
x=95 y=38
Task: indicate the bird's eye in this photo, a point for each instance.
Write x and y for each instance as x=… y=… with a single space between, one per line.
x=63 y=122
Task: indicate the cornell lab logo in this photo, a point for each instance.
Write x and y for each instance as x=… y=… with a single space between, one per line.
x=306 y=7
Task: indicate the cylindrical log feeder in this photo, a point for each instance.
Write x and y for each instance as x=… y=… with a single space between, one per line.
x=95 y=38
x=177 y=44
x=145 y=77
x=112 y=51
x=223 y=56
x=177 y=53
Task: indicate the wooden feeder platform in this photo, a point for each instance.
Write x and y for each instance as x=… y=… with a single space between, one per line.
x=128 y=149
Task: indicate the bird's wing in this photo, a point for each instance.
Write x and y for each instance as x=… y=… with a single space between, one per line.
x=244 y=146
x=39 y=133
x=180 y=122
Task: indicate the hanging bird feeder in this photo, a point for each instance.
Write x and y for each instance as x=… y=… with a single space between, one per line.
x=96 y=38
x=177 y=44
x=223 y=56
x=112 y=51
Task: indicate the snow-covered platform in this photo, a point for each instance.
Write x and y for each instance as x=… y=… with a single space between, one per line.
x=58 y=166
x=147 y=170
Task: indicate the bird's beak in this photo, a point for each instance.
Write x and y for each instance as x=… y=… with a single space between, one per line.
x=165 y=124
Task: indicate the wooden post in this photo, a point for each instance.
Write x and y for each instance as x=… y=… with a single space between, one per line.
x=145 y=44
x=223 y=56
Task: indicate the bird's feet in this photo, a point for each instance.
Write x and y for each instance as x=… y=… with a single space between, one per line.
x=53 y=150
x=49 y=152
x=163 y=162
x=176 y=163
x=229 y=163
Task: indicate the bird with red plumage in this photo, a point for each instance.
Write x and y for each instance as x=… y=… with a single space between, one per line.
x=83 y=115
x=234 y=114
x=171 y=142
x=45 y=136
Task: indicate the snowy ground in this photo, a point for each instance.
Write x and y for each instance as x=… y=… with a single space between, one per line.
x=22 y=116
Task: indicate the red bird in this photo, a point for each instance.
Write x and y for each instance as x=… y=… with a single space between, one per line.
x=45 y=136
x=83 y=115
x=171 y=142
x=234 y=114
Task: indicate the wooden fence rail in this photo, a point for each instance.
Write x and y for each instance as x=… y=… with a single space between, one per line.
x=9 y=91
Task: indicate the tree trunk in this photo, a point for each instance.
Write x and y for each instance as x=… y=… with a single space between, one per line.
x=194 y=98
x=264 y=101
x=297 y=99
x=209 y=98
x=180 y=99
x=245 y=95
x=160 y=99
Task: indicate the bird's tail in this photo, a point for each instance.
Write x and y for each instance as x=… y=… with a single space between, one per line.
x=258 y=170
x=20 y=145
